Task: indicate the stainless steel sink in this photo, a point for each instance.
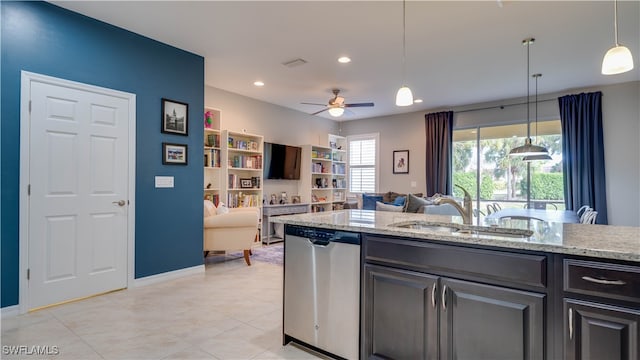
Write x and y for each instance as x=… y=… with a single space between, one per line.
x=508 y=233
x=455 y=229
x=426 y=226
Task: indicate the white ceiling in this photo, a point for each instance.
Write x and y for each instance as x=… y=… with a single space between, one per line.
x=458 y=52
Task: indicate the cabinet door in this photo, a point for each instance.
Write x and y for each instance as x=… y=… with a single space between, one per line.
x=597 y=331
x=400 y=316
x=489 y=322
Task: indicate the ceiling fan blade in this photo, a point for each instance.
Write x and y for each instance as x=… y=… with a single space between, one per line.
x=359 y=105
x=306 y=103
x=318 y=112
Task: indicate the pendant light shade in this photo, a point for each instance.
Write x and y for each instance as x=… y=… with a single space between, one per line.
x=536 y=158
x=529 y=149
x=404 y=97
x=336 y=111
x=618 y=59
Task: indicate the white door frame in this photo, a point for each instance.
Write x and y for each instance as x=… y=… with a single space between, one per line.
x=26 y=79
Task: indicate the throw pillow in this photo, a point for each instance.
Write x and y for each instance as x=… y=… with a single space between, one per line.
x=399 y=201
x=222 y=209
x=209 y=208
x=369 y=201
x=414 y=203
x=386 y=207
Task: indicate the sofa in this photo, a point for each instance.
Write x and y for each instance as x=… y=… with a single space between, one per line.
x=413 y=203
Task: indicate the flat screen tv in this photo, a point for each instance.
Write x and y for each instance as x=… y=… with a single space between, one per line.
x=282 y=161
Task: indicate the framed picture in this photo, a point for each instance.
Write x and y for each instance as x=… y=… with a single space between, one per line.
x=246 y=183
x=174 y=117
x=174 y=154
x=401 y=161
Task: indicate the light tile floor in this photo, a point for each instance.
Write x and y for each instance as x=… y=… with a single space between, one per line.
x=232 y=311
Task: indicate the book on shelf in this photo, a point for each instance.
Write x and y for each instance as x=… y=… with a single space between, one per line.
x=213 y=140
x=214 y=198
x=212 y=158
x=242 y=200
x=246 y=161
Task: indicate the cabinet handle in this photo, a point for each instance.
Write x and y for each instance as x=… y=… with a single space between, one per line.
x=433 y=295
x=570 y=323
x=603 y=281
x=444 y=298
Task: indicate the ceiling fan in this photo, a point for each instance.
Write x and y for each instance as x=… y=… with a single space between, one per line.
x=336 y=105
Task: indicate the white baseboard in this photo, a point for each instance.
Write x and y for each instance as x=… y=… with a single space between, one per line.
x=170 y=275
x=10 y=311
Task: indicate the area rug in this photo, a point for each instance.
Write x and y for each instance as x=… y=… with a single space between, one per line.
x=272 y=254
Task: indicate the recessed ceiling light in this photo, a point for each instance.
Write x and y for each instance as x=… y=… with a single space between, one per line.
x=417 y=101
x=258 y=83
x=344 y=59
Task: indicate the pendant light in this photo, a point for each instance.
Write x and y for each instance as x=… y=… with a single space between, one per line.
x=618 y=59
x=404 y=97
x=528 y=148
x=530 y=158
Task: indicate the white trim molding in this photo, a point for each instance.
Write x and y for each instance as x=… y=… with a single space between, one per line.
x=170 y=275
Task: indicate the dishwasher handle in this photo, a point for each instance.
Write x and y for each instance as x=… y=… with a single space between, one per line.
x=319 y=242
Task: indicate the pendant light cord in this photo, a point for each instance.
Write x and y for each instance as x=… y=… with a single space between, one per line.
x=404 y=41
x=615 y=20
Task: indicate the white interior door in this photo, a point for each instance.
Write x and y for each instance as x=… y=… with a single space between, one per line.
x=78 y=202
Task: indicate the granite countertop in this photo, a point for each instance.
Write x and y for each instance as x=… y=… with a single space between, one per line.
x=600 y=241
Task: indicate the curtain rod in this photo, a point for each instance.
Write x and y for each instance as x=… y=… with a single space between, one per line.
x=502 y=106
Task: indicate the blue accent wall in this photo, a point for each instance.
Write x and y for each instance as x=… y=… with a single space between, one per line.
x=46 y=39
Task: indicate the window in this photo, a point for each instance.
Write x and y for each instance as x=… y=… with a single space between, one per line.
x=482 y=165
x=363 y=163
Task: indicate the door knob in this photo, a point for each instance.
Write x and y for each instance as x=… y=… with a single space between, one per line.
x=119 y=203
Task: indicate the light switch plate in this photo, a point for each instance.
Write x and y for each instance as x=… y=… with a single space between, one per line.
x=414 y=184
x=164 y=181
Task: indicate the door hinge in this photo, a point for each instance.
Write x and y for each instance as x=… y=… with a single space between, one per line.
x=29 y=190
x=29 y=106
x=28 y=274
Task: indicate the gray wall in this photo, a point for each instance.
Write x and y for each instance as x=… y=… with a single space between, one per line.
x=621 y=114
x=276 y=123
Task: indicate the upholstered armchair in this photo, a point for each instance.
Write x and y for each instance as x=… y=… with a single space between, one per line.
x=235 y=230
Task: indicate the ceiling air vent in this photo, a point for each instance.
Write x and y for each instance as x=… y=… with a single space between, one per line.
x=294 y=62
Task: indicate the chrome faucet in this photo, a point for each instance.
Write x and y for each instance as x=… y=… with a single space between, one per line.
x=465 y=210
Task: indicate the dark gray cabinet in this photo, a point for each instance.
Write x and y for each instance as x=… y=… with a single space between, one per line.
x=411 y=315
x=597 y=331
x=490 y=322
x=601 y=309
x=401 y=321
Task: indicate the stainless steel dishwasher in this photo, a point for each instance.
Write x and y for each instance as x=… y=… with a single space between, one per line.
x=322 y=289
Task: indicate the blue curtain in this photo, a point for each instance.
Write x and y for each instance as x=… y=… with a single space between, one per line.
x=583 y=152
x=439 y=139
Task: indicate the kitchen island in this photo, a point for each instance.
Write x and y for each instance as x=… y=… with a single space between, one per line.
x=432 y=287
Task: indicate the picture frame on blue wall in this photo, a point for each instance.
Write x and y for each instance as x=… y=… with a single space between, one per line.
x=174 y=154
x=175 y=117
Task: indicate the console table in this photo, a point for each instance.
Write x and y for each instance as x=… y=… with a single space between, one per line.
x=280 y=209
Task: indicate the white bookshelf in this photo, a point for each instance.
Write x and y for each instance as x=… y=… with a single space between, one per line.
x=339 y=183
x=212 y=154
x=241 y=170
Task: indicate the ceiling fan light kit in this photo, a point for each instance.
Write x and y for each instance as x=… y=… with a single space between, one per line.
x=404 y=97
x=529 y=149
x=336 y=105
x=618 y=59
x=336 y=111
